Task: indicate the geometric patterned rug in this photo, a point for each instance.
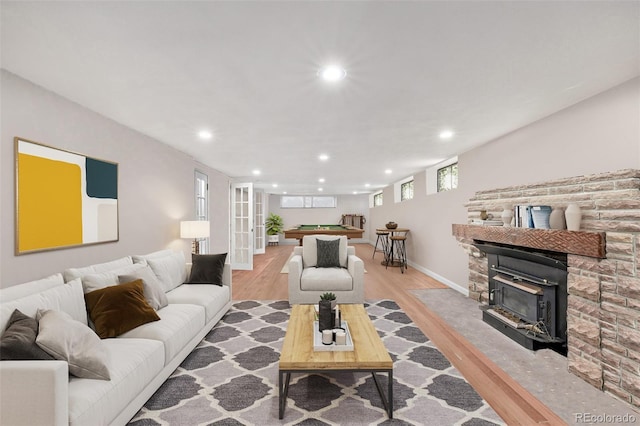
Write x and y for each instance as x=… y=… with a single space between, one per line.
x=231 y=378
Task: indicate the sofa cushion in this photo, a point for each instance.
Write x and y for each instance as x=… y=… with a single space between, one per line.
x=170 y=270
x=328 y=253
x=68 y=340
x=134 y=363
x=73 y=273
x=153 y=291
x=32 y=287
x=326 y=279
x=18 y=342
x=63 y=297
x=310 y=249
x=117 y=309
x=177 y=326
x=207 y=268
x=211 y=297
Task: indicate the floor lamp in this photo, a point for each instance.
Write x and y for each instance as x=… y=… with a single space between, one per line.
x=196 y=229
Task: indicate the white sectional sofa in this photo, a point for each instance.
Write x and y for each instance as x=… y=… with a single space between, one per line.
x=39 y=392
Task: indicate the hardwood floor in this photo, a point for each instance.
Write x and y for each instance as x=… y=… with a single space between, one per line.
x=511 y=401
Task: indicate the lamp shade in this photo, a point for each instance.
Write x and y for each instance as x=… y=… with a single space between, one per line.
x=194 y=229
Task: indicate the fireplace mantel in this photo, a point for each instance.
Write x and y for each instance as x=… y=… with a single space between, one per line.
x=591 y=244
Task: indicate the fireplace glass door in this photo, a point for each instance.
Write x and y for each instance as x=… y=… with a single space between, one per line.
x=518 y=302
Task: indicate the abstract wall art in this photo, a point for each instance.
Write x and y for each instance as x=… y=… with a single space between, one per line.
x=63 y=199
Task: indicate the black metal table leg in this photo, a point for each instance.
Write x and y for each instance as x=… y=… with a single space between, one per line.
x=283 y=390
x=387 y=401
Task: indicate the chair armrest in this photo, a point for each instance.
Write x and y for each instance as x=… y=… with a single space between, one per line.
x=34 y=393
x=355 y=266
x=295 y=275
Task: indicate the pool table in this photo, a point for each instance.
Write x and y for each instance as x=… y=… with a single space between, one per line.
x=300 y=231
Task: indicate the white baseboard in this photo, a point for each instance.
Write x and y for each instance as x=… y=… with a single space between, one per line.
x=440 y=278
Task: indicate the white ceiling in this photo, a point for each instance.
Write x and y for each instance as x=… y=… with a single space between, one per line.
x=247 y=71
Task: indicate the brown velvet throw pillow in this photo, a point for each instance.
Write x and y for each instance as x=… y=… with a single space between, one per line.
x=117 y=309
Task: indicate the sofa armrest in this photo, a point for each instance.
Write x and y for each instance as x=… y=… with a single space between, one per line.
x=34 y=393
x=226 y=276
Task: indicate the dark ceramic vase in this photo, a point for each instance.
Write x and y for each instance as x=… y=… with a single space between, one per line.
x=325 y=317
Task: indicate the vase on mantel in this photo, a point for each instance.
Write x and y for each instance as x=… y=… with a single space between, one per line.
x=556 y=219
x=507 y=215
x=573 y=216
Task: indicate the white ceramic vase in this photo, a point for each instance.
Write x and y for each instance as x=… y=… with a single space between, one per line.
x=556 y=219
x=573 y=216
x=507 y=215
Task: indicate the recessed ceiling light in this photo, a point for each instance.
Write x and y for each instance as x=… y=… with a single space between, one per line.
x=332 y=73
x=355 y=192
x=320 y=189
x=284 y=192
x=205 y=134
x=275 y=185
x=256 y=172
x=321 y=180
x=366 y=185
x=446 y=134
x=323 y=157
x=388 y=171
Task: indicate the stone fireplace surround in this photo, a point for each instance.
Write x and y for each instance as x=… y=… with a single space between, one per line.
x=603 y=316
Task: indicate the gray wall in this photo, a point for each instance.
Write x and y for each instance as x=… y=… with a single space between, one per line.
x=600 y=134
x=347 y=204
x=156 y=182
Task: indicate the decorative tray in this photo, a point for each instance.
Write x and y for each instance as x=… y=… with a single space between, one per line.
x=318 y=346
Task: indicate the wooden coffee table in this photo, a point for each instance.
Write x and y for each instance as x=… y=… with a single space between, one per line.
x=369 y=354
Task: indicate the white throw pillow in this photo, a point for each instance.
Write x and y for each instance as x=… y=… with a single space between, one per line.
x=153 y=292
x=100 y=280
x=171 y=270
x=142 y=258
x=65 y=339
x=73 y=273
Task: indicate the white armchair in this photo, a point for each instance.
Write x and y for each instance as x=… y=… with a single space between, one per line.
x=307 y=281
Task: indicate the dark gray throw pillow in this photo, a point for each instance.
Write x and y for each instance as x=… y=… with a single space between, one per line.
x=18 y=342
x=207 y=268
x=328 y=253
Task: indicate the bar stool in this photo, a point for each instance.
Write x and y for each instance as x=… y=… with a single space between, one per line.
x=383 y=239
x=400 y=250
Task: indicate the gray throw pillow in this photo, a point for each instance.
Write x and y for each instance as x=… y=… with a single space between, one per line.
x=153 y=292
x=207 y=268
x=328 y=253
x=69 y=340
x=18 y=342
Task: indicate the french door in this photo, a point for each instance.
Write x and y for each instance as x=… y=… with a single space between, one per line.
x=242 y=232
x=259 y=210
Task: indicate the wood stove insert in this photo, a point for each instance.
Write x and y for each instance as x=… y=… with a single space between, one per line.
x=527 y=295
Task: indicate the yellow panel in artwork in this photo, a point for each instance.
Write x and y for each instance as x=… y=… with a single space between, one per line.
x=49 y=203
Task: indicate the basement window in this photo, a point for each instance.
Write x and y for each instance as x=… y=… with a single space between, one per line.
x=308 y=202
x=448 y=177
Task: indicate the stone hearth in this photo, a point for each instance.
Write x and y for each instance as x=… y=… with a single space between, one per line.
x=603 y=316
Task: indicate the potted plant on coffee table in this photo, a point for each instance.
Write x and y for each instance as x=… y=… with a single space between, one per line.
x=274 y=226
x=331 y=297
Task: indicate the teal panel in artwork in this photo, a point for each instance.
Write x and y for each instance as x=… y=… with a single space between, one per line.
x=102 y=179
